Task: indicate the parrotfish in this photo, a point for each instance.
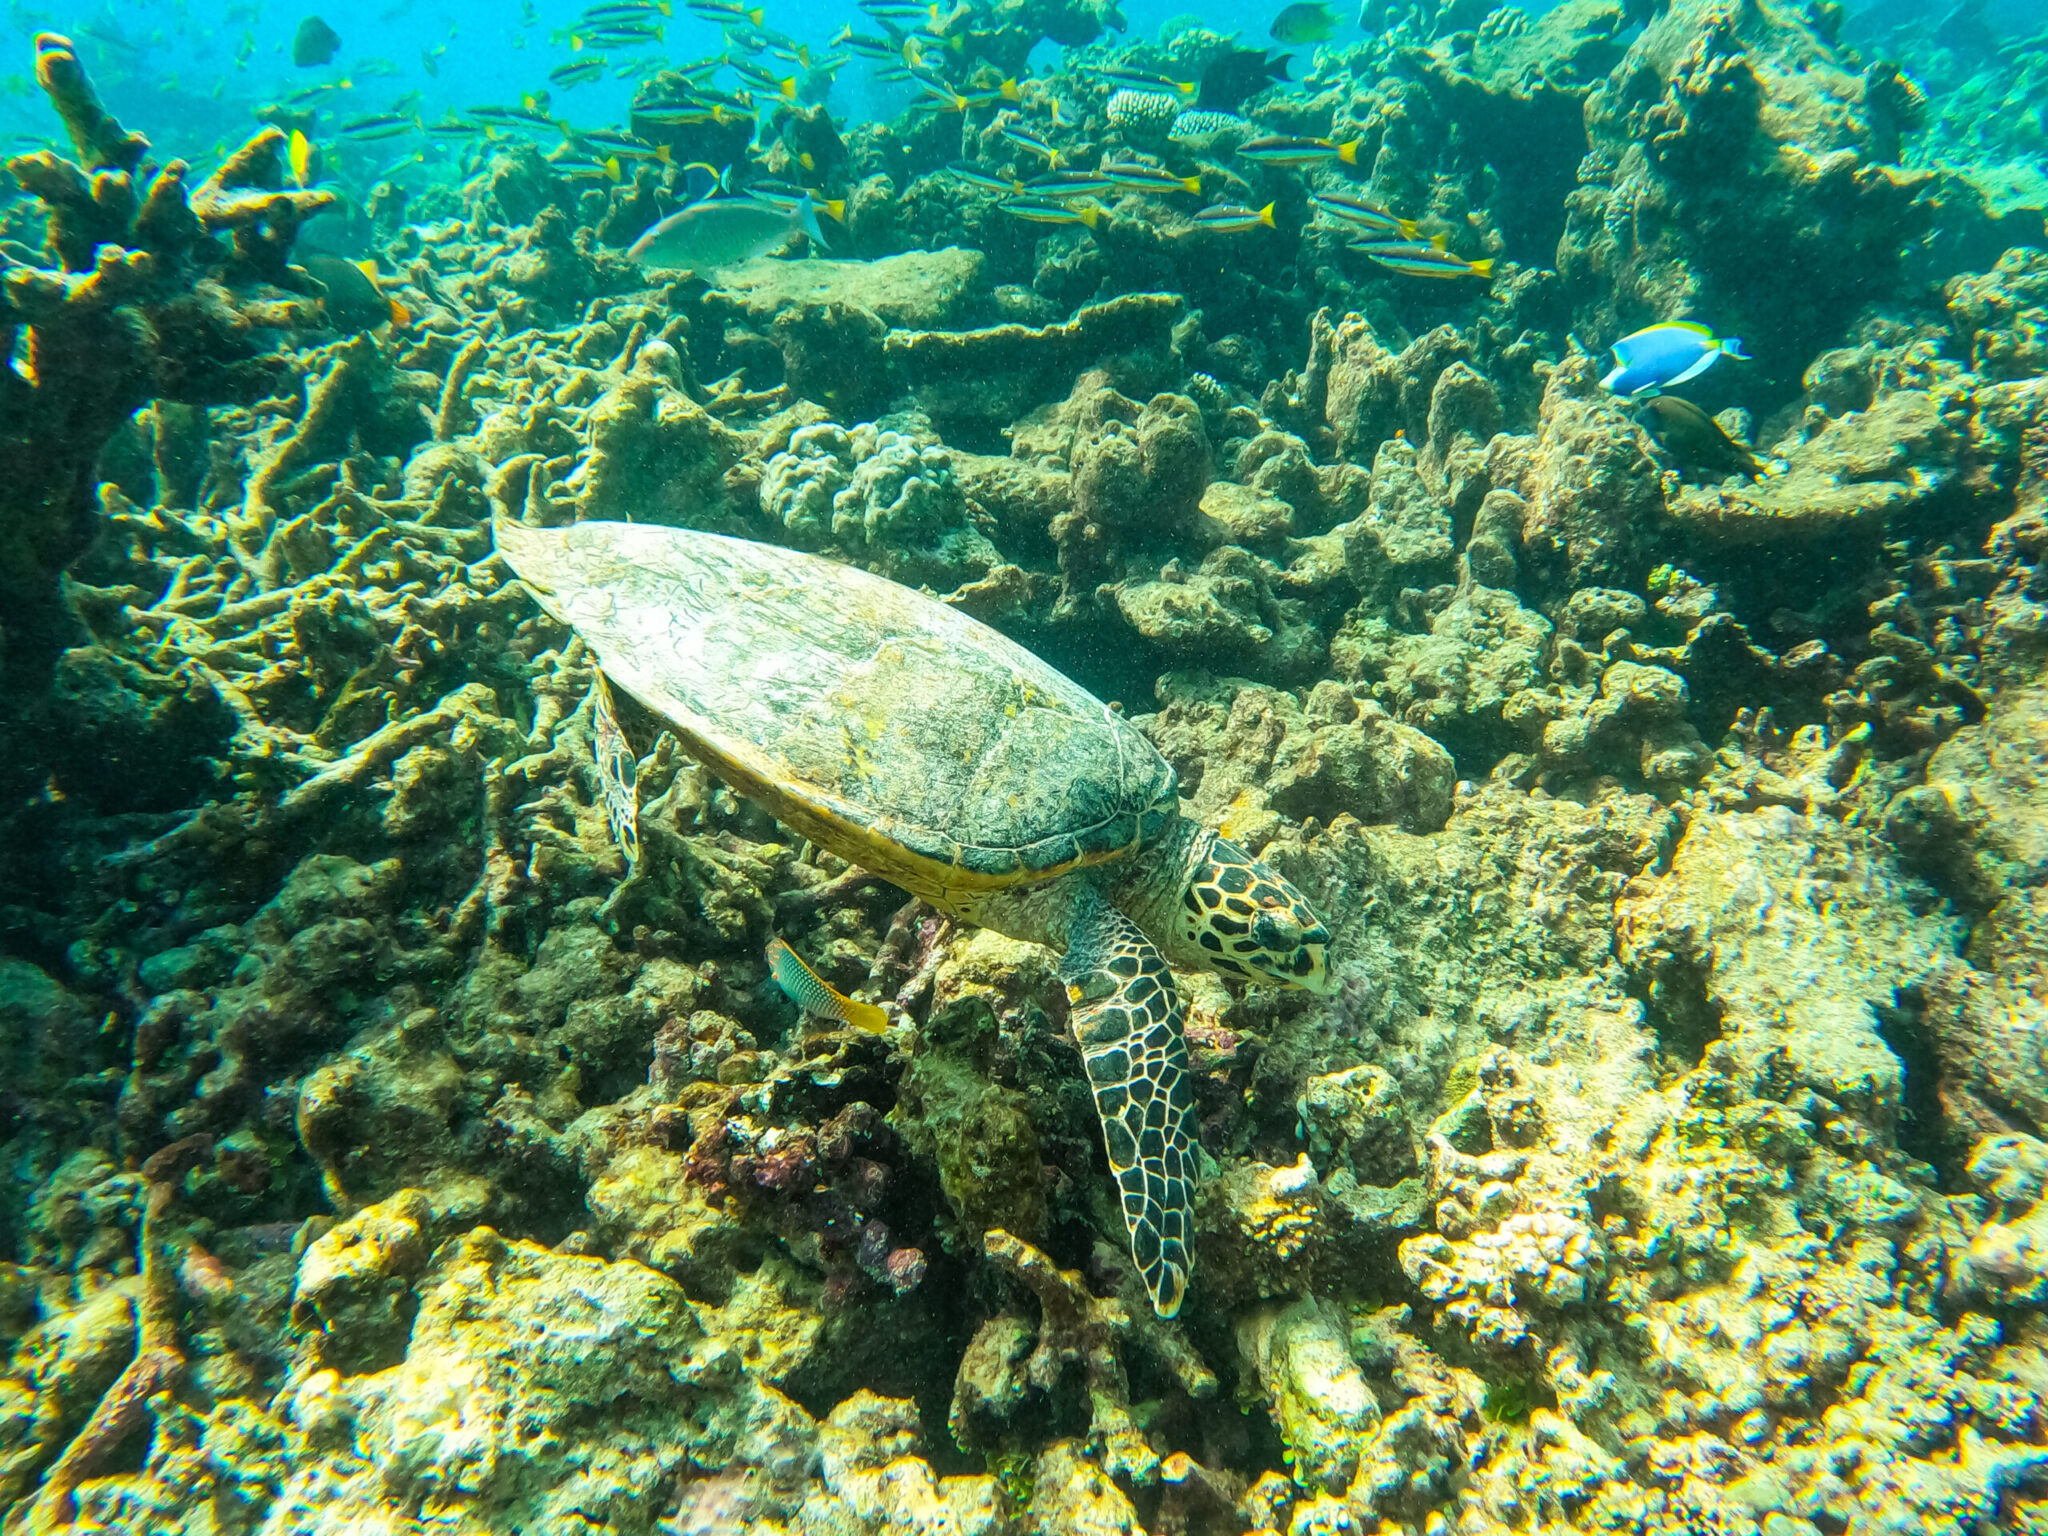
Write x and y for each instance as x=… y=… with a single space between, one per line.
x=817 y=997
x=1663 y=355
x=722 y=232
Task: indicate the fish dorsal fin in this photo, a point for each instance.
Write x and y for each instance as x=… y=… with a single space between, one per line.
x=1691 y=325
x=617 y=772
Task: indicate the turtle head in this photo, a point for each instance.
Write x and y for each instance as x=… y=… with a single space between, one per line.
x=1246 y=920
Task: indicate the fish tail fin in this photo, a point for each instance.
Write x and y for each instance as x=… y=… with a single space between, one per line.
x=1348 y=151
x=664 y=154
x=400 y=315
x=1011 y=91
x=611 y=168
x=1482 y=268
x=835 y=209
x=1407 y=228
x=1090 y=215
x=1192 y=183
x=1266 y=217
x=756 y=15
x=1732 y=347
x=845 y=36
x=1438 y=243
x=786 y=88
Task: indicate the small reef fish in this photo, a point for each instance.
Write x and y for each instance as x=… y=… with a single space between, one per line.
x=1024 y=138
x=867 y=45
x=299 y=153
x=721 y=232
x=1146 y=80
x=1696 y=440
x=1660 y=356
x=314 y=43
x=818 y=997
x=1147 y=178
x=385 y=125
x=627 y=10
x=577 y=166
x=781 y=85
x=350 y=296
x=777 y=196
x=988 y=181
x=1234 y=218
x=1363 y=215
x=579 y=73
x=1424 y=258
x=1053 y=213
x=1278 y=149
x=724 y=10
x=1309 y=21
x=1062 y=186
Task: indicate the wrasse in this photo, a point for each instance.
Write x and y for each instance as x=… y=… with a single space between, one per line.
x=579 y=73
x=1278 y=149
x=817 y=997
x=1234 y=218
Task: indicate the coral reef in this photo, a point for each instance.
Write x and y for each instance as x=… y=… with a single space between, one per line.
x=387 y=1154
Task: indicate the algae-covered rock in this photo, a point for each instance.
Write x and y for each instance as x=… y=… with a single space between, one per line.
x=1249 y=754
x=522 y=1369
x=916 y=290
x=1784 y=934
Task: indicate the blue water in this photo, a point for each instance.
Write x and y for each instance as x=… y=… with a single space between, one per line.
x=193 y=75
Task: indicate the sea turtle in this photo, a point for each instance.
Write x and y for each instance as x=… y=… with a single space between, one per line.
x=920 y=744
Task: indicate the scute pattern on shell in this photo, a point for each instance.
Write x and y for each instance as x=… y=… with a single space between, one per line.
x=897 y=730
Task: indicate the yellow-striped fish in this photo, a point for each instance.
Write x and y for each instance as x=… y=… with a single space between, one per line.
x=812 y=993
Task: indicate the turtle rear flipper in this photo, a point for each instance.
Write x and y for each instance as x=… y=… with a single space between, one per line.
x=1126 y=1017
x=617 y=771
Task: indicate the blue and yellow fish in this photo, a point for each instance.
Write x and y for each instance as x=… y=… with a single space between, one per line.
x=1660 y=356
x=817 y=997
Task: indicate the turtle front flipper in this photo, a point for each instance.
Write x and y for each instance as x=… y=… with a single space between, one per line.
x=1126 y=1017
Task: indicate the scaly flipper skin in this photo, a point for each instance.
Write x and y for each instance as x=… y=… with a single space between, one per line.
x=616 y=771
x=1126 y=1016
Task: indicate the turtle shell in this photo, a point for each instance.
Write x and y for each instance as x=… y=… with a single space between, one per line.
x=900 y=733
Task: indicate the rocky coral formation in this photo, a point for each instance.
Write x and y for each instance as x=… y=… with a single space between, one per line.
x=388 y=1154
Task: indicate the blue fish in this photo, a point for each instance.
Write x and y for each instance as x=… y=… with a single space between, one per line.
x=1663 y=355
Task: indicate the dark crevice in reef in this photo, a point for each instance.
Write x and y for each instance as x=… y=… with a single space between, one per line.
x=1926 y=1129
